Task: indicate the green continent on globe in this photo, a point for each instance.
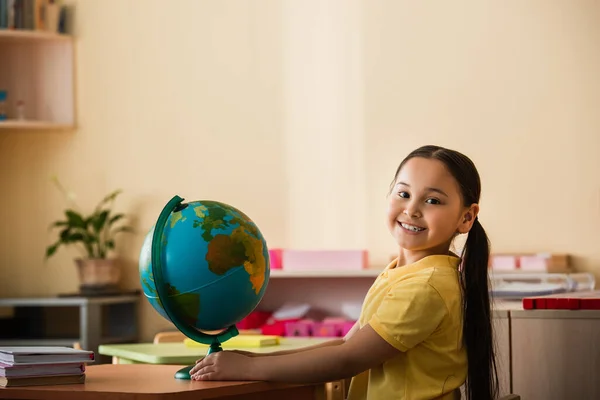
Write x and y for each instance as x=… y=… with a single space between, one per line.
x=150 y=287
x=177 y=216
x=212 y=215
x=187 y=303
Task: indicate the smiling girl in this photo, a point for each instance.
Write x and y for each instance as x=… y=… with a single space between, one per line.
x=425 y=327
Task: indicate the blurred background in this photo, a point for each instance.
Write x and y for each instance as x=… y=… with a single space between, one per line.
x=298 y=113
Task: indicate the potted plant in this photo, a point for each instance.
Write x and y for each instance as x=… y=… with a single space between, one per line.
x=94 y=236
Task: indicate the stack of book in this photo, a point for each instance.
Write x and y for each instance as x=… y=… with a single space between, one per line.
x=42 y=365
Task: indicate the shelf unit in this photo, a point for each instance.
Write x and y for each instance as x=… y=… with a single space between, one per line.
x=328 y=291
x=37 y=67
x=63 y=321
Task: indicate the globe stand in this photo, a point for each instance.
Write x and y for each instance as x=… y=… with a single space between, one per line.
x=184 y=373
x=215 y=346
x=213 y=340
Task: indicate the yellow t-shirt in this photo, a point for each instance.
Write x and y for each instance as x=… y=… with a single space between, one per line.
x=416 y=308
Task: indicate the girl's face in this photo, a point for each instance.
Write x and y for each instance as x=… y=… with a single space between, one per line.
x=425 y=208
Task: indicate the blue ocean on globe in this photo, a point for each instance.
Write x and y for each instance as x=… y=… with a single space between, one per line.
x=215 y=265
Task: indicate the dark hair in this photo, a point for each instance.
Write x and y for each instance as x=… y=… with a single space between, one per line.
x=482 y=379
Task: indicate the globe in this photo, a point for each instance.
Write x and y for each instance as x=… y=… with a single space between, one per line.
x=204 y=266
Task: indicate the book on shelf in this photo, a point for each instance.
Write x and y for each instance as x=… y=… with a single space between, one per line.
x=32 y=15
x=13 y=355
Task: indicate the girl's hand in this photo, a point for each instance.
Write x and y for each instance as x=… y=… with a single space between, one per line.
x=246 y=353
x=222 y=366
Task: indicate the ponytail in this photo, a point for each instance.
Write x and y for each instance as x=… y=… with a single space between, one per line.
x=482 y=378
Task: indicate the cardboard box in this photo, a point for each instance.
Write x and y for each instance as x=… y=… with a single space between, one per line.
x=530 y=262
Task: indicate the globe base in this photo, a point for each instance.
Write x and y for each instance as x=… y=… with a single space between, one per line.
x=184 y=373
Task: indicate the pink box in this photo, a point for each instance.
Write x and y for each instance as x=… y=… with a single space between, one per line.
x=346 y=326
x=310 y=260
x=324 y=329
x=332 y=326
x=299 y=328
x=504 y=262
x=275 y=258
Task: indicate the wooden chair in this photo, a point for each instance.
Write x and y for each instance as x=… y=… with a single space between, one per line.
x=168 y=337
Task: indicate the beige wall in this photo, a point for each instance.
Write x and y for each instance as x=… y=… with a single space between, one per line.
x=171 y=100
x=513 y=84
x=204 y=99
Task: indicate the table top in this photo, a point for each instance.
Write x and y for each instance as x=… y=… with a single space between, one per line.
x=139 y=382
x=179 y=353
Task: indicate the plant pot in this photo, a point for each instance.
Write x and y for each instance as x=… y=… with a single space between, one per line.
x=98 y=274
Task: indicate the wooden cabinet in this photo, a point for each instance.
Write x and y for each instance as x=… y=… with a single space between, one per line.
x=555 y=354
x=501 y=326
x=37 y=68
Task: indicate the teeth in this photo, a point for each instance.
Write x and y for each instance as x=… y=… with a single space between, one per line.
x=411 y=227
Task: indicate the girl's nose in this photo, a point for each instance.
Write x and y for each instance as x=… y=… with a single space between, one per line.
x=412 y=212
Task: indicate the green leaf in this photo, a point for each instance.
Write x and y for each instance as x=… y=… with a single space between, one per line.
x=50 y=250
x=64 y=234
x=75 y=219
x=115 y=218
x=108 y=197
x=75 y=237
x=68 y=236
x=98 y=220
x=122 y=229
x=57 y=224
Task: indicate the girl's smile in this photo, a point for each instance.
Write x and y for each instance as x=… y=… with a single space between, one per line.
x=410 y=228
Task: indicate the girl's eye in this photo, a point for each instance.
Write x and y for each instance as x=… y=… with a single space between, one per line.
x=404 y=195
x=432 y=201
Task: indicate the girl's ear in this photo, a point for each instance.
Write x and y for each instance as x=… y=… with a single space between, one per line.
x=468 y=218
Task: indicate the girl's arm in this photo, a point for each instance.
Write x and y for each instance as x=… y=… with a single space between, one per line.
x=362 y=351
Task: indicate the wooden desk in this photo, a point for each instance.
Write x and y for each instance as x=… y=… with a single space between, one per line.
x=179 y=353
x=156 y=382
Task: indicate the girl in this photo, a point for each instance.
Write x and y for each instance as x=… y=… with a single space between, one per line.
x=425 y=326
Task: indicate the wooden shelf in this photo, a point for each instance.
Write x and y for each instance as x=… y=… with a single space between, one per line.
x=37 y=68
x=366 y=273
x=20 y=35
x=33 y=125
